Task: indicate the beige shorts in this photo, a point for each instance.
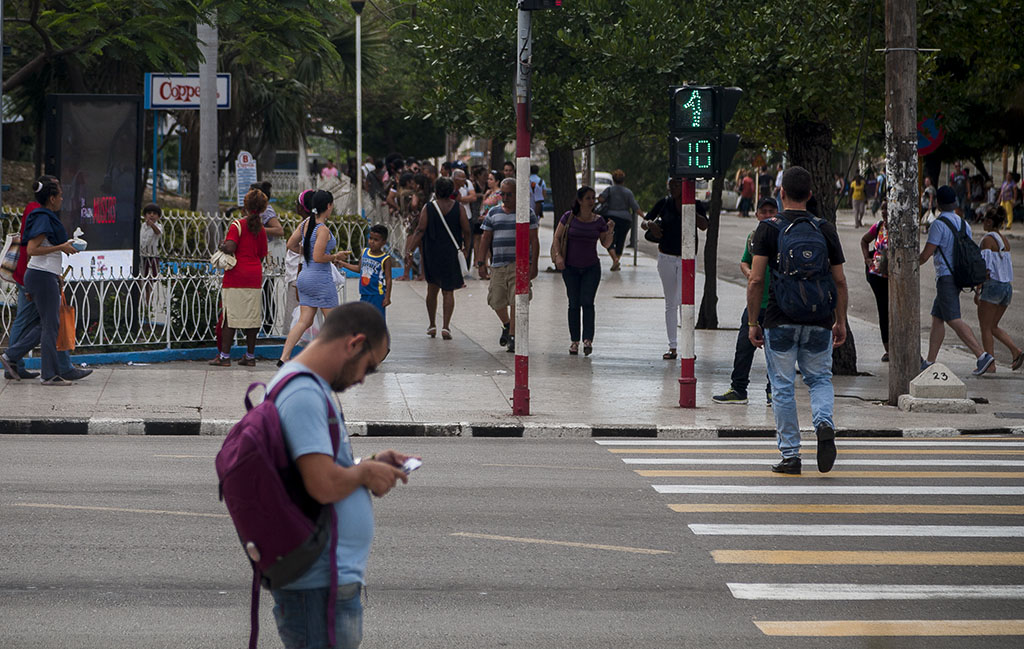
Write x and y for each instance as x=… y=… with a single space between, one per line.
x=243 y=307
x=502 y=291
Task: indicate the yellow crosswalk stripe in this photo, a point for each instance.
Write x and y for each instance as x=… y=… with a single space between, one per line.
x=842 y=450
x=868 y=558
x=851 y=628
x=795 y=508
x=700 y=473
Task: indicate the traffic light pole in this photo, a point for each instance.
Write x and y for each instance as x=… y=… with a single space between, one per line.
x=524 y=51
x=687 y=377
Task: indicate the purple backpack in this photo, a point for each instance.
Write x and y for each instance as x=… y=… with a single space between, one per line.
x=281 y=527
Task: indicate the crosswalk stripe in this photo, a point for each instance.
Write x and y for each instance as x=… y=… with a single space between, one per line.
x=890 y=628
x=868 y=558
x=739 y=473
x=820 y=488
x=829 y=592
x=730 y=461
x=845 y=451
x=807 y=442
x=958 y=531
x=797 y=508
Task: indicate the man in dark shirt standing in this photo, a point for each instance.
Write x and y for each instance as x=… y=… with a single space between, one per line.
x=789 y=342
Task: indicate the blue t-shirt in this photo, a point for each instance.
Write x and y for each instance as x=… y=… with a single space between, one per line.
x=371 y=273
x=503 y=224
x=303 y=411
x=942 y=236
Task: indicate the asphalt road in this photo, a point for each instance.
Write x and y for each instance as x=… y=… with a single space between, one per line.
x=117 y=542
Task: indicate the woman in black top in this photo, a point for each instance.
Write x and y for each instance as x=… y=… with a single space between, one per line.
x=440 y=258
x=670 y=251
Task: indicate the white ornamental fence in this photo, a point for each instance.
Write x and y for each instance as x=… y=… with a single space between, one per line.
x=179 y=306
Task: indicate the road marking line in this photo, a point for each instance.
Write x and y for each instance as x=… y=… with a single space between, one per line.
x=959 y=531
x=768 y=441
x=845 y=451
x=549 y=466
x=569 y=544
x=795 y=508
x=868 y=558
x=741 y=473
x=852 y=628
x=187 y=457
x=864 y=592
x=874 y=490
x=732 y=461
x=126 y=510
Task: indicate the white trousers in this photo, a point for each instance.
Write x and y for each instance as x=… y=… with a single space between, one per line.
x=670 y=269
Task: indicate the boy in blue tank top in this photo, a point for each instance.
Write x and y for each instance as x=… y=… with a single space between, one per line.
x=374 y=270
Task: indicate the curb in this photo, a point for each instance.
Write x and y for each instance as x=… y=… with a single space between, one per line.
x=220 y=428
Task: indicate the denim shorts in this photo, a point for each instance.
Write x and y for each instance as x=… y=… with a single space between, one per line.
x=995 y=292
x=947 y=299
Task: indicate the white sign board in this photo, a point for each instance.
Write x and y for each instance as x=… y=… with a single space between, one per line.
x=181 y=91
x=245 y=173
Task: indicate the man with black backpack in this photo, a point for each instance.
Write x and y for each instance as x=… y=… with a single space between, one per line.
x=805 y=317
x=958 y=265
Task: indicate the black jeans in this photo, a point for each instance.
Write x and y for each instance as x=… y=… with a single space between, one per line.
x=622 y=228
x=581 y=289
x=744 y=357
x=880 y=287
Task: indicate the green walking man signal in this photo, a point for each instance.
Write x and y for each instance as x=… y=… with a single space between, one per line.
x=698 y=147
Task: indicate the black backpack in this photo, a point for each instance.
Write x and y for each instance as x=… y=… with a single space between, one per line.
x=802 y=283
x=968 y=267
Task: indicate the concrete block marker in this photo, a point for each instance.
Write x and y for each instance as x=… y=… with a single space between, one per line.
x=555 y=431
x=110 y=426
x=937 y=390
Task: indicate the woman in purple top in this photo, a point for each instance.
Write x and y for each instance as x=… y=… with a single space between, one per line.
x=581 y=229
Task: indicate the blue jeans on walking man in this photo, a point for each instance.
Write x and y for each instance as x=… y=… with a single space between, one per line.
x=811 y=347
x=301 y=617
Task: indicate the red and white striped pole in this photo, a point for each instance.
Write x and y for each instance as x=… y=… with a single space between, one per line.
x=688 y=211
x=524 y=50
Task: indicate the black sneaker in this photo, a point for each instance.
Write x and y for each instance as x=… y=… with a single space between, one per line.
x=788 y=465
x=826 y=447
x=23 y=374
x=503 y=341
x=76 y=374
x=731 y=396
x=511 y=349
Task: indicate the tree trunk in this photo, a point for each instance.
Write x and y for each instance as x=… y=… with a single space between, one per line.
x=707 y=318
x=563 y=180
x=979 y=166
x=810 y=146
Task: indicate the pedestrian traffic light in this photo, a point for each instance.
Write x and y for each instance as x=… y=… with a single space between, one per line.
x=697 y=116
x=536 y=5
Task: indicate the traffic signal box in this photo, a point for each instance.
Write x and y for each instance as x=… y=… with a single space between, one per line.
x=698 y=148
x=537 y=5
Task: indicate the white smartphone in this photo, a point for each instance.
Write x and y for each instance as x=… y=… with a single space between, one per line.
x=411 y=465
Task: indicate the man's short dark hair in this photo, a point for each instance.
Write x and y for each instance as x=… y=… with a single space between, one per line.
x=797 y=183
x=770 y=202
x=535 y=169
x=354 y=318
x=382 y=230
x=151 y=207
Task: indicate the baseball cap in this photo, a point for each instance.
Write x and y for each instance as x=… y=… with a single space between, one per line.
x=946 y=195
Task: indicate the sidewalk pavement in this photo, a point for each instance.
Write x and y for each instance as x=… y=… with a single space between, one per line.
x=463 y=387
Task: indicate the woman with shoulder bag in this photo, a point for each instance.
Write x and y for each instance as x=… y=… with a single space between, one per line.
x=442 y=233
x=242 y=288
x=575 y=254
x=876 y=259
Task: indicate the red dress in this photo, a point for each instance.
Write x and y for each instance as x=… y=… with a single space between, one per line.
x=252 y=249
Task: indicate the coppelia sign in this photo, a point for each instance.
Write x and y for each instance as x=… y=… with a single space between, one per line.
x=181 y=91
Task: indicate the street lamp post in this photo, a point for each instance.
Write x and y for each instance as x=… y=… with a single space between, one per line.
x=357 y=6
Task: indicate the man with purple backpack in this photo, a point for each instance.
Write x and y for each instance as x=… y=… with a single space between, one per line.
x=315 y=584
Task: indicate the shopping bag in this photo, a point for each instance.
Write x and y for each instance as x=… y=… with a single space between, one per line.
x=9 y=257
x=66 y=330
x=314 y=330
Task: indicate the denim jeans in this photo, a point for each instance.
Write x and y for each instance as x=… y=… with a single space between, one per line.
x=581 y=289
x=811 y=347
x=743 y=358
x=26 y=319
x=301 y=617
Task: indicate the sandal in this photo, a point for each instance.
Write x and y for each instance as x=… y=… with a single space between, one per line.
x=1018 y=362
x=432 y=331
x=446 y=334
x=670 y=355
x=588 y=348
x=614 y=267
x=574 y=349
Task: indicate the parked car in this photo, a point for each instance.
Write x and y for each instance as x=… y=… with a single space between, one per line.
x=168 y=183
x=730 y=199
x=602 y=181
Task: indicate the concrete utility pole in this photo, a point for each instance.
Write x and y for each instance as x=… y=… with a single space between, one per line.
x=207 y=197
x=901 y=170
